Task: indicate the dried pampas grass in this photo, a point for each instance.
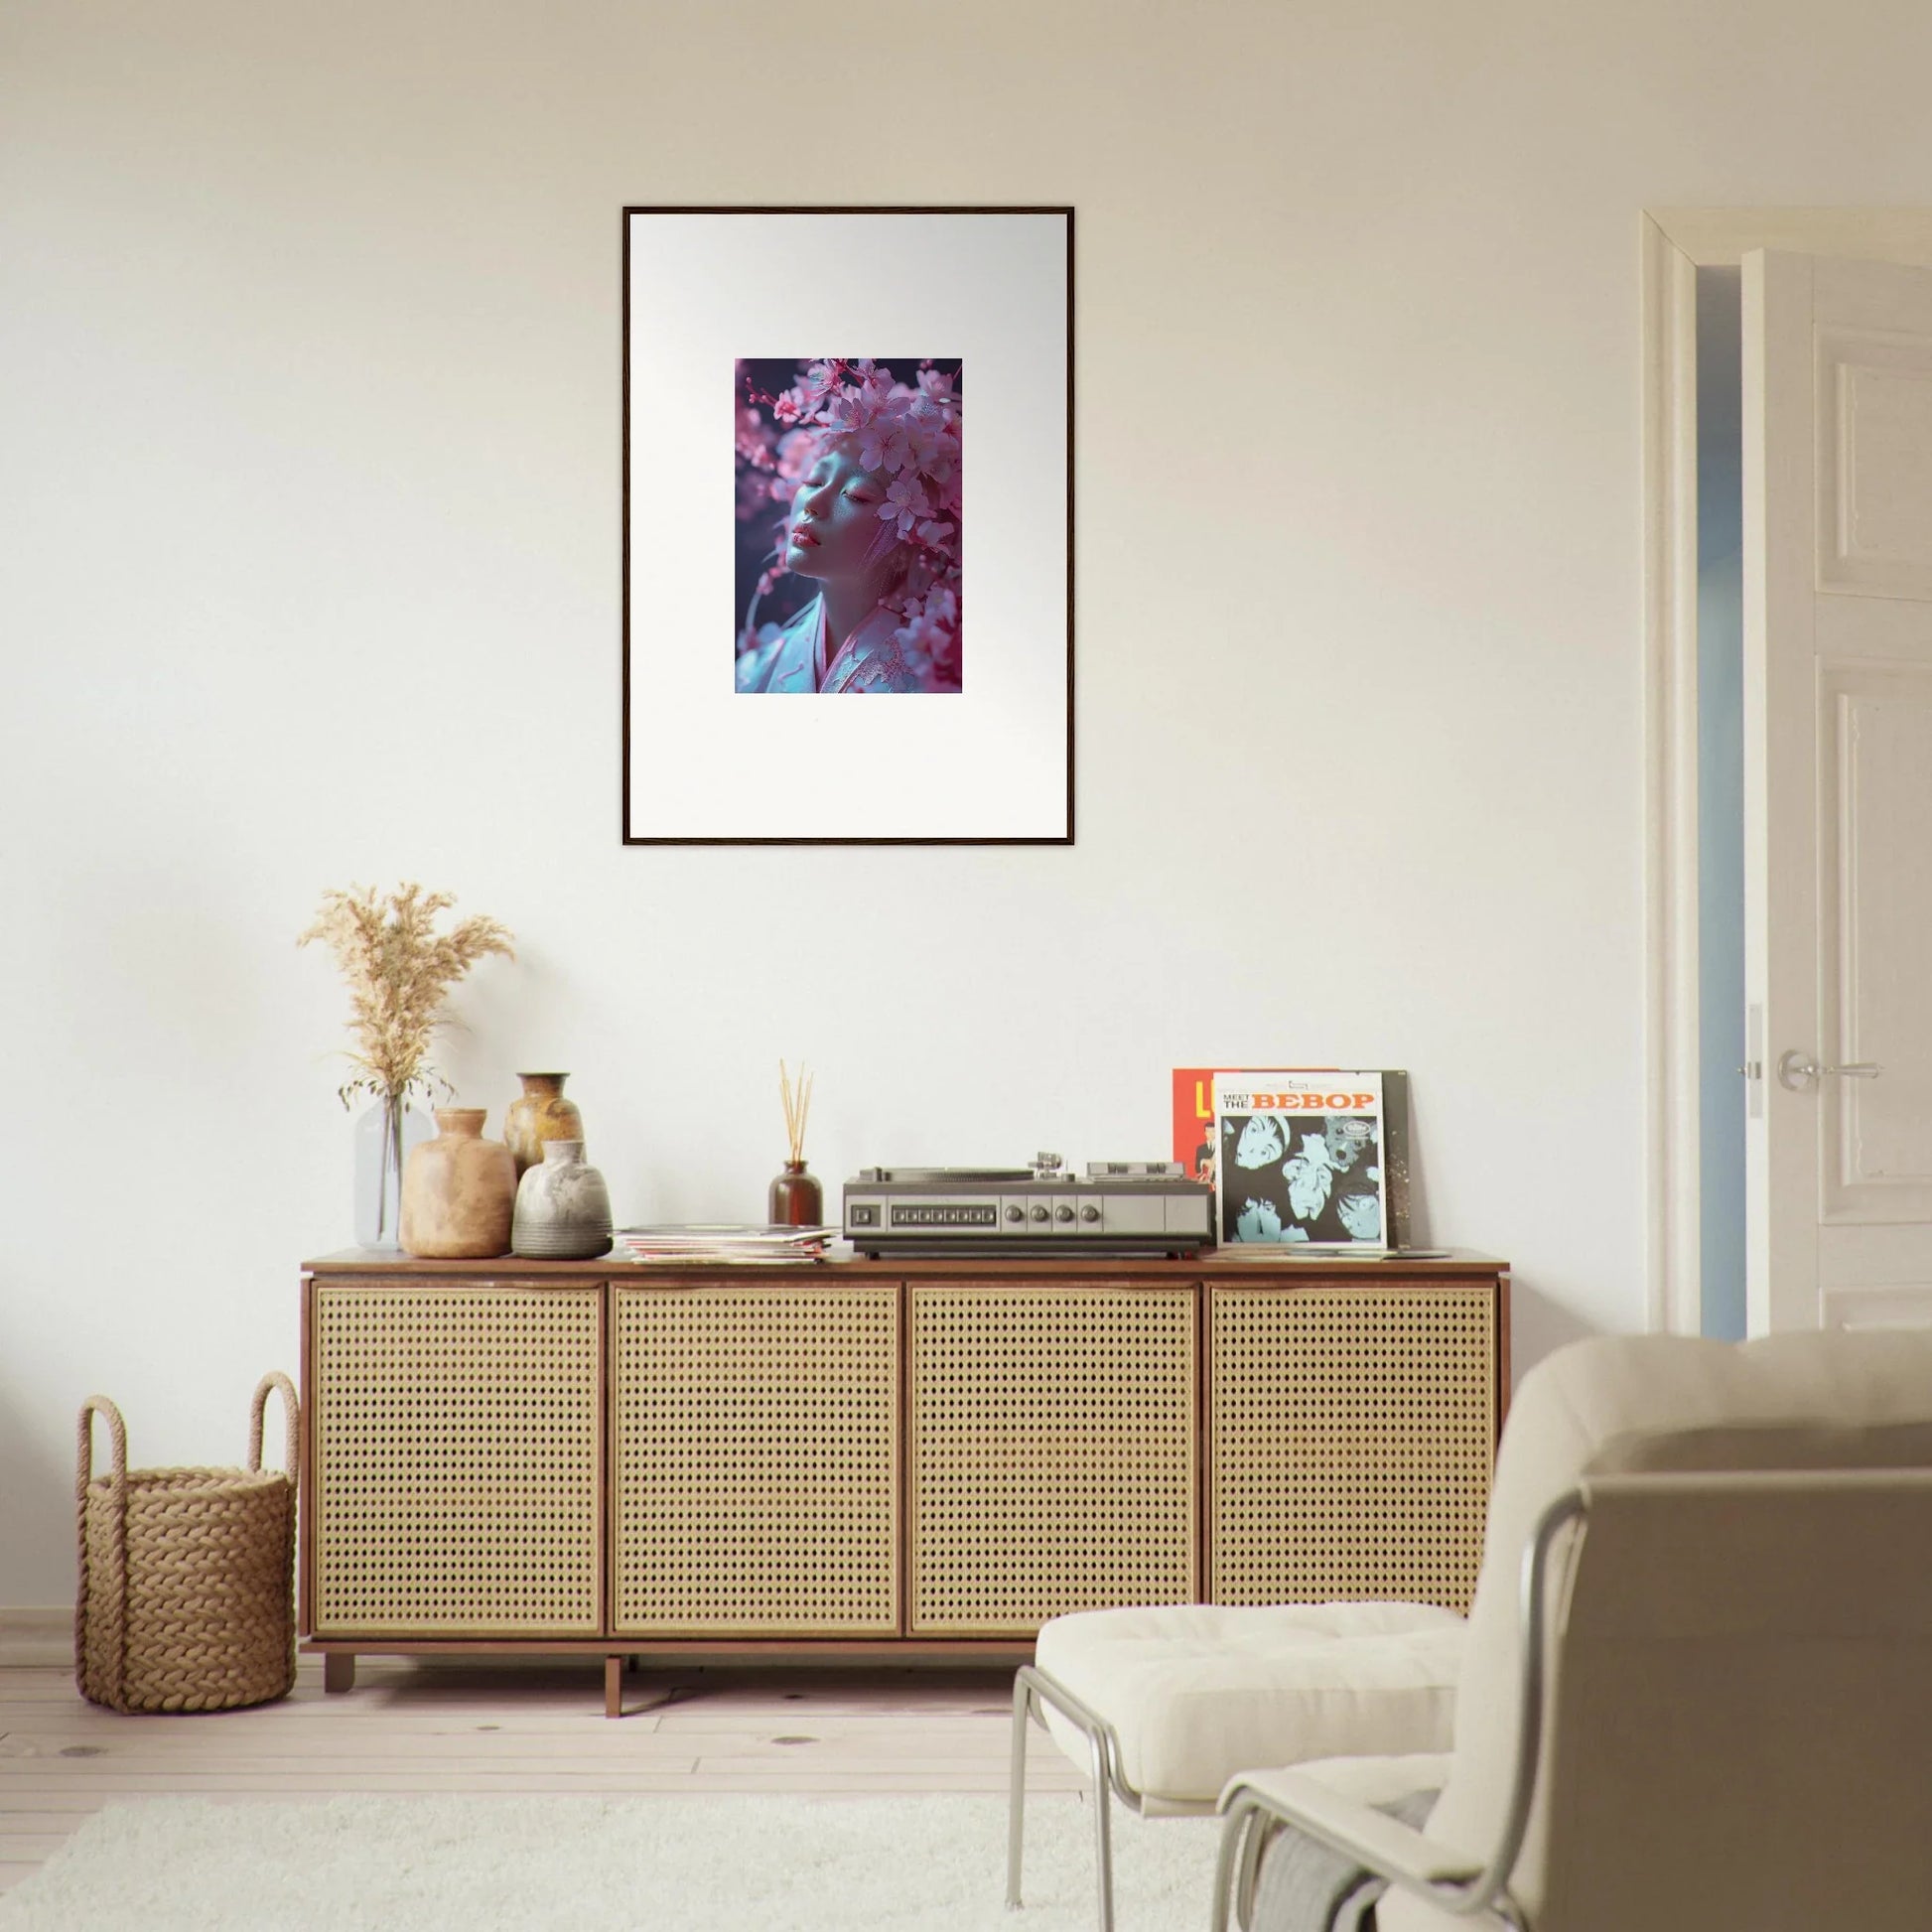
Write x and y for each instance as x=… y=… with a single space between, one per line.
x=399 y=968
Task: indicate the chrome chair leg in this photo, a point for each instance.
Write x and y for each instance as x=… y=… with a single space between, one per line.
x=1022 y=1705
x=1249 y=1876
x=1103 y=1833
x=1034 y=1693
x=1228 y=1862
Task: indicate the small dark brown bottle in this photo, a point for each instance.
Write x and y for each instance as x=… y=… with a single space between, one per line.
x=796 y=1200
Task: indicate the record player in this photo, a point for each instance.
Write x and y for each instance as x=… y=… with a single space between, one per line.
x=1125 y=1207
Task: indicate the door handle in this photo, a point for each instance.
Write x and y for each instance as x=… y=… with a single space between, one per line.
x=1797 y=1070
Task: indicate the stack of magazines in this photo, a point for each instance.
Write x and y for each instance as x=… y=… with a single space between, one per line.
x=714 y=1241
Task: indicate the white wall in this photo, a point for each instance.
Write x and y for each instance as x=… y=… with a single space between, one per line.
x=310 y=466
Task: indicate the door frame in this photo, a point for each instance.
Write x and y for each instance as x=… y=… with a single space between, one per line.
x=1674 y=244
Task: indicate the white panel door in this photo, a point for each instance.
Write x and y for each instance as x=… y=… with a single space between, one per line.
x=1838 y=789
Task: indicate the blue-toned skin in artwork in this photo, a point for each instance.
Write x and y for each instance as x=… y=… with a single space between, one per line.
x=845 y=638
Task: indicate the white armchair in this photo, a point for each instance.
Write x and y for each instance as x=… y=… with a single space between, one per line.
x=1697 y=1691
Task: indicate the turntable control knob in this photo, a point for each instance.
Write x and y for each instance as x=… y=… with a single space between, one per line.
x=1040 y=1212
x=1062 y=1213
x=1089 y=1212
x=1015 y=1212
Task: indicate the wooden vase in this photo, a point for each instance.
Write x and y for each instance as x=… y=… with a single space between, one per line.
x=540 y=1113
x=458 y=1191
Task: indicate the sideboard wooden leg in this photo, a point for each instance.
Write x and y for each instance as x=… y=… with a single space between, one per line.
x=614 y=1686
x=339 y=1670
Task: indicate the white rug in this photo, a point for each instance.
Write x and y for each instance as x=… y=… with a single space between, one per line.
x=608 y=1864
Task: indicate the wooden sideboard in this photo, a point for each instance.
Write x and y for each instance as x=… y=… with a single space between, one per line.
x=903 y=1459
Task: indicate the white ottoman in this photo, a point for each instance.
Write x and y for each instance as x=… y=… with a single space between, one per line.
x=1164 y=1705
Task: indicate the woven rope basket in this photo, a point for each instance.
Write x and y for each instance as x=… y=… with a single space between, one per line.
x=187 y=1598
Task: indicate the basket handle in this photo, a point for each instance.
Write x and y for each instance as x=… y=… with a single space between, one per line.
x=274 y=1379
x=99 y=1405
x=112 y=1586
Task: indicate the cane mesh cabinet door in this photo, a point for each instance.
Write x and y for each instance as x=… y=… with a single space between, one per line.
x=456 y=1476
x=755 y=1438
x=1052 y=1444
x=1351 y=1440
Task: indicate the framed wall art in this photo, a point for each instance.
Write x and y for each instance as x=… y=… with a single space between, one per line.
x=809 y=517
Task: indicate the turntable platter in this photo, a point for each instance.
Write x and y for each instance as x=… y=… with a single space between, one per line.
x=939 y=1177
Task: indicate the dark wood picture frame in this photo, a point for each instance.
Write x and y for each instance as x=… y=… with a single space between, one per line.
x=634 y=835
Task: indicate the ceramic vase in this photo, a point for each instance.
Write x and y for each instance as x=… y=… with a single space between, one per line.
x=385 y=1136
x=795 y=1199
x=540 y=1114
x=563 y=1208
x=459 y=1191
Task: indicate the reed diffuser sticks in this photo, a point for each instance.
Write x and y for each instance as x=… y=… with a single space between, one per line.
x=795 y=1198
x=797 y=1105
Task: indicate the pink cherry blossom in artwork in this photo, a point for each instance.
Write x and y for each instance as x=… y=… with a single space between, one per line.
x=883 y=444
x=904 y=502
x=796 y=451
x=853 y=410
x=929 y=640
x=754 y=488
x=752 y=446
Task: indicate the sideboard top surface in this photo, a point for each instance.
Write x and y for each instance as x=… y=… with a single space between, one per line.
x=1460 y=1264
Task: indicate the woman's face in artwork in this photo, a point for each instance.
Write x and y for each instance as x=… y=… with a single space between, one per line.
x=835 y=517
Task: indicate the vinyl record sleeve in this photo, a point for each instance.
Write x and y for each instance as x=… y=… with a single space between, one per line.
x=1312 y=1156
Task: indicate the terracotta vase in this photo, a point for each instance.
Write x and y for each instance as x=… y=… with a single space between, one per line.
x=457 y=1191
x=563 y=1208
x=540 y=1114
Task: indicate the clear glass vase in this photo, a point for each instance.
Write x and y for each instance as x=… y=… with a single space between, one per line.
x=384 y=1133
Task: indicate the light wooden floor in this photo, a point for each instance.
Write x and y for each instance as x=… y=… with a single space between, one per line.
x=443 y=1726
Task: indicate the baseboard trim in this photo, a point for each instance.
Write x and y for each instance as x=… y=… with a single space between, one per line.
x=37 y=1638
